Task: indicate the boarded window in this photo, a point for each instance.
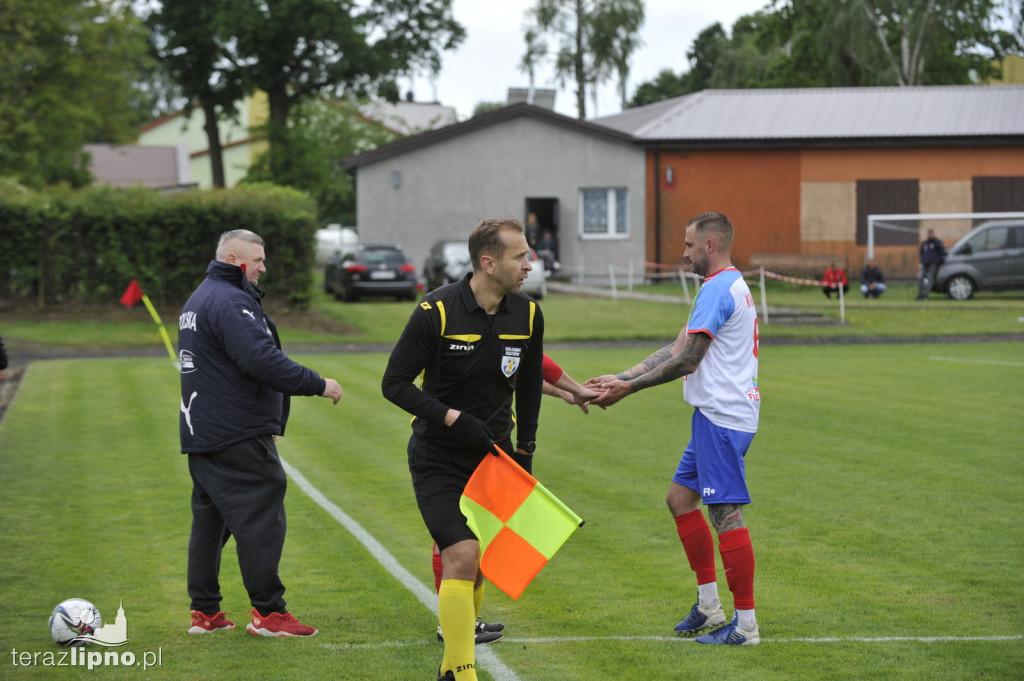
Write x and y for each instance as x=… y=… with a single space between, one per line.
x=887 y=197
x=997 y=195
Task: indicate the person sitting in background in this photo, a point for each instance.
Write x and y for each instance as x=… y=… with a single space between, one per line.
x=872 y=281
x=547 y=250
x=834 y=278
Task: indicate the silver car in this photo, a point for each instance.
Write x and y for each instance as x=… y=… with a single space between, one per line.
x=989 y=258
x=448 y=261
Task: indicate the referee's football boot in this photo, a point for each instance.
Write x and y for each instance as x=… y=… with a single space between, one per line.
x=699 y=620
x=732 y=635
x=486 y=632
x=447 y=676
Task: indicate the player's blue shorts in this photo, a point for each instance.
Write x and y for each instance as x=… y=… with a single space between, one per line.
x=713 y=463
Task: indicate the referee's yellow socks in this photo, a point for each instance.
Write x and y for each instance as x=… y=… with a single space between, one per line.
x=478 y=602
x=457 y=612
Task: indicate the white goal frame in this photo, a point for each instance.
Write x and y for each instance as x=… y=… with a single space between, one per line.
x=881 y=217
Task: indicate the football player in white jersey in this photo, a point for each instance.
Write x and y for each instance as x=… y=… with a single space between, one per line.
x=716 y=354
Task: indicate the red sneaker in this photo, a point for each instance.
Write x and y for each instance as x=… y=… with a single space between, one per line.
x=205 y=624
x=276 y=624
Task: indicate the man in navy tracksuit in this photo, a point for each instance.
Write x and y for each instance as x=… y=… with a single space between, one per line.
x=235 y=390
x=933 y=254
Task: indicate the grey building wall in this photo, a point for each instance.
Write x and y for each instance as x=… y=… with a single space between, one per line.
x=441 y=189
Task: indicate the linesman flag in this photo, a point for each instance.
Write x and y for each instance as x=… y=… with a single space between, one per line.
x=134 y=294
x=519 y=523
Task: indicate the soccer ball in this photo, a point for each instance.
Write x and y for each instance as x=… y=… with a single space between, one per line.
x=73 y=618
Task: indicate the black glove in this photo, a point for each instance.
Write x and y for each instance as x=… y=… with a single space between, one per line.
x=525 y=461
x=474 y=433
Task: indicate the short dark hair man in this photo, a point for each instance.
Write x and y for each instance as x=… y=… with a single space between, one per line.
x=235 y=389
x=872 y=281
x=933 y=254
x=717 y=352
x=477 y=343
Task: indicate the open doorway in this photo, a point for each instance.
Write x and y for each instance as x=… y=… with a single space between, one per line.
x=541 y=222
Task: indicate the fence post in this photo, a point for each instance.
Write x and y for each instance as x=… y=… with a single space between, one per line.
x=686 y=287
x=764 y=298
x=611 y=278
x=842 y=305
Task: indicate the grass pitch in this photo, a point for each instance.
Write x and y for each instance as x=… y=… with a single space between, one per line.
x=888 y=488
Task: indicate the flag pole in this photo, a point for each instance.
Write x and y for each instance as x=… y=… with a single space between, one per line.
x=134 y=294
x=160 y=325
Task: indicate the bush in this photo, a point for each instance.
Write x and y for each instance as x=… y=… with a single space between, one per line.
x=84 y=246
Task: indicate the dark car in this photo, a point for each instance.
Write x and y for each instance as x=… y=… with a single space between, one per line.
x=990 y=257
x=447 y=261
x=372 y=271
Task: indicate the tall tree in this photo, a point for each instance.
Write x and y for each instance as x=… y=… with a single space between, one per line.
x=66 y=74
x=708 y=47
x=296 y=49
x=885 y=42
x=593 y=39
x=193 y=39
x=321 y=132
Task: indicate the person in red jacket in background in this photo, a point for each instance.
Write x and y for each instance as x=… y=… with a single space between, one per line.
x=557 y=383
x=834 y=278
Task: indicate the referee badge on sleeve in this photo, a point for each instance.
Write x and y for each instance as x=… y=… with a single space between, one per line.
x=509 y=364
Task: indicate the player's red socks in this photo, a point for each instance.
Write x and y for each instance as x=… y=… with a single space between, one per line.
x=438 y=568
x=738 y=559
x=698 y=544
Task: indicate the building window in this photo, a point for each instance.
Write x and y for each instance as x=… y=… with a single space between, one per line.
x=604 y=213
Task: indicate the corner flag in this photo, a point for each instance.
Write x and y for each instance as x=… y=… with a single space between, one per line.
x=134 y=294
x=519 y=523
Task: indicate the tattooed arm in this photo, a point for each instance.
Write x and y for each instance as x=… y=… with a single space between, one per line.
x=671 y=362
x=677 y=366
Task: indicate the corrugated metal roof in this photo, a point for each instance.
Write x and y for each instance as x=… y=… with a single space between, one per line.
x=829 y=113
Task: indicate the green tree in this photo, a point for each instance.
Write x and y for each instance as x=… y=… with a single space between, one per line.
x=593 y=39
x=882 y=42
x=485 y=107
x=322 y=132
x=192 y=38
x=666 y=85
x=296 y=49
x=708 y=47
x=66 y=78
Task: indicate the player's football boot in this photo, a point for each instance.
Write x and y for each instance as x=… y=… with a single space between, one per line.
x=276 y=624
x=486 y=632
x=732 y=635
x=698 y=620
x=207 y=624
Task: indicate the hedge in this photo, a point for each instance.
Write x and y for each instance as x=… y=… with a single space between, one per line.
x=62 y=246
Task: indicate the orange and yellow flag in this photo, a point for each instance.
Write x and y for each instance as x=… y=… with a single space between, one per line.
x=519 y=523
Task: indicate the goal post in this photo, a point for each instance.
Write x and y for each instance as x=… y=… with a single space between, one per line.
x=880 y=219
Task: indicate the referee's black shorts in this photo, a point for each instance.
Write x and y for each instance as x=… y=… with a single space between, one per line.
x=439 y=475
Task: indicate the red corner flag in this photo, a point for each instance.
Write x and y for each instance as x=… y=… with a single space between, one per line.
x=132 y=294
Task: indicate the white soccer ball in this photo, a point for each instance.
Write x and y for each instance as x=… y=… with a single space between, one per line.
x=73 y=618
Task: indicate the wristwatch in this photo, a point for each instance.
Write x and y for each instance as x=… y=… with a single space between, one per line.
x=527 y=447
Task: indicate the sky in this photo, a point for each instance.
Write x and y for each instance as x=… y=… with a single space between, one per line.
x=486 y=64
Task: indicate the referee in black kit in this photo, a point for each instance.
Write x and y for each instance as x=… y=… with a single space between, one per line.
x=477 y=342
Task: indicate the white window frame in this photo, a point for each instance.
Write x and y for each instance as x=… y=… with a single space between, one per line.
x=610 y=235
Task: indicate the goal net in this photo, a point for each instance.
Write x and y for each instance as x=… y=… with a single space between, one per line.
x=903 y=229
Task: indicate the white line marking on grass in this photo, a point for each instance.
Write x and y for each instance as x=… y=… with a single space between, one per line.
x=977 y=361
x=486 y=658
x=681 y=639
x=832 y=639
